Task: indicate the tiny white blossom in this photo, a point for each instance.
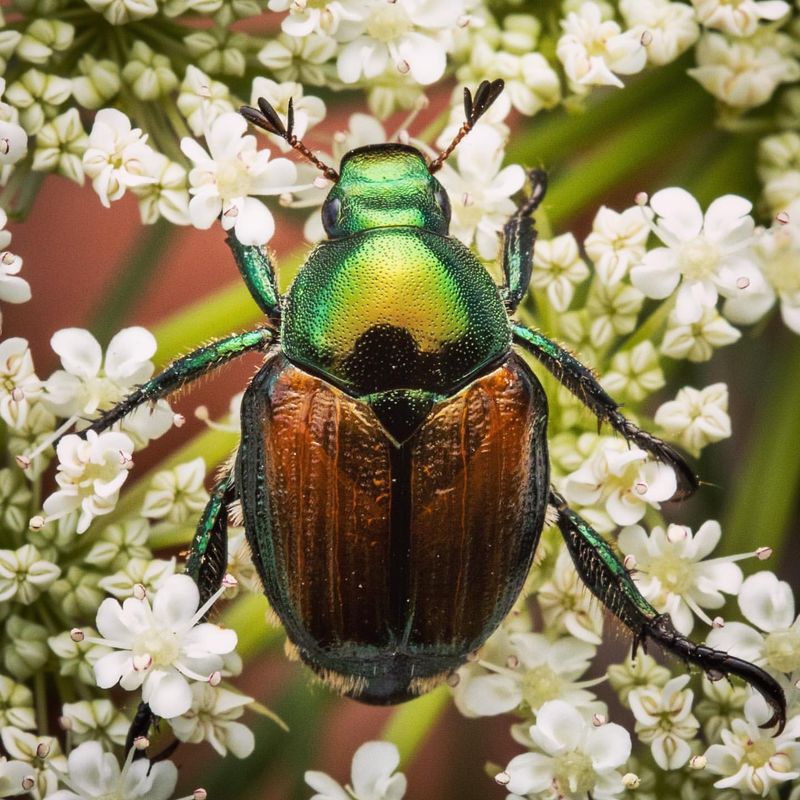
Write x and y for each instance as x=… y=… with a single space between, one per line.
x=621 y=479
x=671 y=27
x=672 y=572
x=558 y=268
x=96 y=720
x=212 y=718
x=147 y=572
x=13 y=139
x=305 y=18
x=575 y=757
x=541 y=670
x=705 y=254
x=618 y=241
x=751 y=759
x=90 y=474
x=19 y=384
x=696 y=417
x=42 y=756
x=25 y=574
x=13 y=289
x=412 y=35
x=372 y=776
x=593 y=50
x=12 y=774
x=158 y=647
x=664 y=720
x=480 y=190
x=167 y=196
x=120 y=12
x=740 y=18
x=202 y=100
x=611 y=311
x=95 y=775
x=116 y=156
x=744 y=73
x=178 y=494
x=696 y=341
x=634 y=374
x=223 y=179
x=767 y=603
x=16 y=705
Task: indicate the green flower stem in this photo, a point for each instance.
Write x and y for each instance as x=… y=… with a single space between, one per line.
x=171 y=537
x=764 y=496
x=132 y=279
x=40 y=700
x=412 y=722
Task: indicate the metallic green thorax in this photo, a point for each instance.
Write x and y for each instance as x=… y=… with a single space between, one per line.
x=394 y=303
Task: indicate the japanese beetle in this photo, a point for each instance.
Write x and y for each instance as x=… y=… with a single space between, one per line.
x=393 y=471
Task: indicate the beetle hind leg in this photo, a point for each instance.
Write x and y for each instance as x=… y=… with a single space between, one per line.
x=608 y=579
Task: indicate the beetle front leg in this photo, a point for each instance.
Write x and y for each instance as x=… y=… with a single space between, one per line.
x=258 y=272
x=608 y=579
x=182 y=371
x=519 y=237
x=208 y=557
x=584 y=385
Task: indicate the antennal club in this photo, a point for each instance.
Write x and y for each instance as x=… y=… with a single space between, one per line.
x=266 y=118
x=474 y=108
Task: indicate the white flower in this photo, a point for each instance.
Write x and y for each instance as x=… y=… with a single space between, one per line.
x=372 y=776
x=299 y=59
x=751 y=759
x=480 y=190
x=42 y=756
x=305 y=18
x=621 y=478
x=19 y=384
x=635 y=673
x=576 y=756
x=120 y=12
x=612 y=311
x=90 y=474
x=696 y=417
x=558 y=268
x=618 y=241
x=60 y=146
x=212 y=718
x=670 y=570
x=96 y=719
x=768 y=604
x=778 y=254
x=704 y=254
x=88 y=383
x=24 y=574
x=567 y=606
x=116 y=156
x=76 y=659
x=12 y=774
x=178 y=494
x=536 y=670
x=696 y=341
x=222 y=181
x=413 y=35
x=159 y=647
x=13 y=289
x=147 y=572
x=593 y=50
x=672 y=27
x=745 y=73
x=740 y=18
x=13 y=139
x=167 y=196
x=95 y=775
x=664 y=720
x=201 y=100
x=634 y=374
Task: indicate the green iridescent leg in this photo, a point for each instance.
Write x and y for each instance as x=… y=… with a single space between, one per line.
x=259 y=275
x=584 y=385
x=606 y=577
x=182 y=371
x=208 y=557
x=519 y=237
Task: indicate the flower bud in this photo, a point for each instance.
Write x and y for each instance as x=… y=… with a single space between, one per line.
x=98 y=83
x=149 y=74
x=42 y=37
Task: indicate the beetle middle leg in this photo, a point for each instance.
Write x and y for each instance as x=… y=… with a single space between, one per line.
x=519 y=237
x=584 y=385
x=606 y=577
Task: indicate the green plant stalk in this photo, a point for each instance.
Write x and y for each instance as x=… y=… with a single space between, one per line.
x=408 y=727
x=764 y=494
x=132 y=279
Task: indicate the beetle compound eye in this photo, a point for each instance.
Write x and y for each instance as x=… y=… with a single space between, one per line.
x=330 y=214
x=443 y=201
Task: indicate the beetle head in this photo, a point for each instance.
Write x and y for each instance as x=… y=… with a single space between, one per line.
x=385 y=185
